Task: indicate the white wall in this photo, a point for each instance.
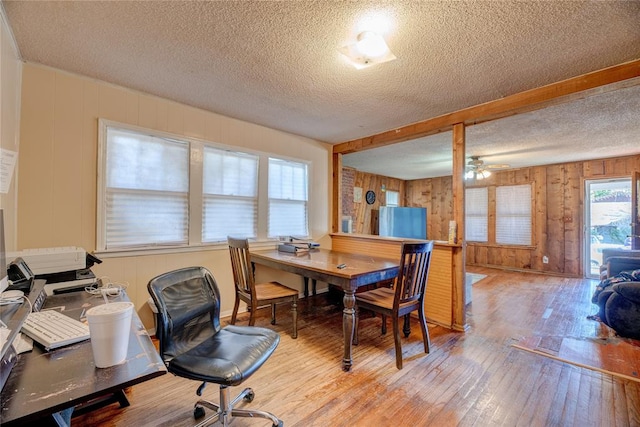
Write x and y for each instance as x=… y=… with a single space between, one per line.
x=57 y=173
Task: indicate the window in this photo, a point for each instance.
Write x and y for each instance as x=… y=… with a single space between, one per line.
x=476 y=207
x=159 y=190
x=288 y=197
x=392 y=198
x=513 y=215
x=230 y=195
x=144 y=206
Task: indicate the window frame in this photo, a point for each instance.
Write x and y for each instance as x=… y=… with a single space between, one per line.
x=196 y=199
x=531 y=212
x=492 y=217
x=486 y=217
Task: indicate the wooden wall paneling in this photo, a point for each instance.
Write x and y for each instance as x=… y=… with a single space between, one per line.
x=438 y=295
x=378 y=247
x=442 y=207
x=482 y=255
x=362 y=212
x=572 y=218
x=539 y=229
x=522 y=258
x=557 y=216
x=437 y=210
x=554 y=221
x=594 y=168
x=447 y=203
x=617 y=166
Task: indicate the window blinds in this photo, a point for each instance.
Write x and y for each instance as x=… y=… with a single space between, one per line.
x=145 y=205
x=288 y=198
x=230 y=199
x=513 y=215
x=476 y=210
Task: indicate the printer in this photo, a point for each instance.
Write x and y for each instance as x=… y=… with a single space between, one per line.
x=63 y=268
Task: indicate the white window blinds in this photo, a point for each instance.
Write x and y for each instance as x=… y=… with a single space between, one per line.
x=288 y=198
x=513 y=215
x=230 y=199
x=476 y=208
x=145 y=204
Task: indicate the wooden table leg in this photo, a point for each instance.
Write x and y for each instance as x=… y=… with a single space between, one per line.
x=348 y=316
x=306 y=286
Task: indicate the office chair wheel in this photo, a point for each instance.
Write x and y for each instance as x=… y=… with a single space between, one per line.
x=198 y=412
x=249 y=396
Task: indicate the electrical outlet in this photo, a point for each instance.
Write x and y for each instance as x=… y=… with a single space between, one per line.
x=545 y=259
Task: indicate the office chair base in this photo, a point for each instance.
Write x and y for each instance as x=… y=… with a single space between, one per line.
x=225 y=410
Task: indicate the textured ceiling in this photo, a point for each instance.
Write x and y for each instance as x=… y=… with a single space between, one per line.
x=277 y=63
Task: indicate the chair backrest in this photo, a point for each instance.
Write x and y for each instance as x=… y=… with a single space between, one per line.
x=188 y=303
x=241 y=266
x=411 y=281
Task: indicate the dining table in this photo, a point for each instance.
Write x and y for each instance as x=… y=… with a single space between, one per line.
x=348 y=271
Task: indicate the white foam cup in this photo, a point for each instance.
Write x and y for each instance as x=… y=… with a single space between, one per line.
x=109 y=327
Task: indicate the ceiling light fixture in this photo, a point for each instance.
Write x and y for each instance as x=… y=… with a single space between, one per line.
x=476 y=169
x=369 y=49
x=477 y=174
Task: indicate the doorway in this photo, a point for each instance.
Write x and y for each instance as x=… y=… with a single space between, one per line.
x=607 y=220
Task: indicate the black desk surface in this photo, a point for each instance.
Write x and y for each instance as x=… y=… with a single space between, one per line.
x=42 y=383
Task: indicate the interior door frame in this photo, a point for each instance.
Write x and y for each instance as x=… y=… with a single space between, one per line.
x=588 y=183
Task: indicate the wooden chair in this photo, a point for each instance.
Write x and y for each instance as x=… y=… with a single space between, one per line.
x=406 y=296
x=257 y=294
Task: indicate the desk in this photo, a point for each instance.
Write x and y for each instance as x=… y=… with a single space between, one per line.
x=321 y=264
x=42 y=383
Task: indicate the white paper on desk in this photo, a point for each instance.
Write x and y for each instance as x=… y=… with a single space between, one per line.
x=22 y=343
x=7 y=166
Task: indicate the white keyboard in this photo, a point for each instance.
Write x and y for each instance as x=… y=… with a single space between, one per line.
x=53 y=329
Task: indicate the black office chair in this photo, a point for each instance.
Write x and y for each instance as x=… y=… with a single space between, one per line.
x=194 y=346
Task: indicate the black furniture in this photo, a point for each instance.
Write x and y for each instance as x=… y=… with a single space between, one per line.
x=406 y=296
x=618 y=296
x=193 y=345
x=615 y=260
x=42 y=383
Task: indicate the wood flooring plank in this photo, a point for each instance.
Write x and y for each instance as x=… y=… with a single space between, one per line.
x=475 y=378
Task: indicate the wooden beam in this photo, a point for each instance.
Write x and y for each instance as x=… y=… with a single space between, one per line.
x=458 y=315
x=337 y=193
x=612 y=78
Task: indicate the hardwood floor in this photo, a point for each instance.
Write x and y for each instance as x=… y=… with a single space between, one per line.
x=474 y=378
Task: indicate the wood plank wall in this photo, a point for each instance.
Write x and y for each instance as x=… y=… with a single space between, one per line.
x=363 y=214
x=558 y=206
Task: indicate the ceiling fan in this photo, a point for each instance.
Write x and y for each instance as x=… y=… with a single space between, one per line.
x=476 y=169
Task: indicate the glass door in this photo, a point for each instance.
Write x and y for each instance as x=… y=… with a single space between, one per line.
x=607 y=220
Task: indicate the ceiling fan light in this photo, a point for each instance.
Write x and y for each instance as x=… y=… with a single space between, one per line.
x=469 y=175
x=485 y=173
